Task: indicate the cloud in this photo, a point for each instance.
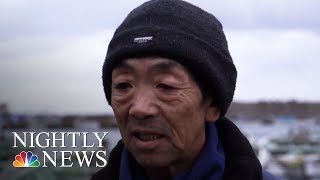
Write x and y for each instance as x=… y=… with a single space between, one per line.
x=54 y=74
x=34 y=17
x=276 y=64
x=265 y=14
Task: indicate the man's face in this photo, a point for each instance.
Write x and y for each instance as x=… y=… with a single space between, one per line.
x=160 y=112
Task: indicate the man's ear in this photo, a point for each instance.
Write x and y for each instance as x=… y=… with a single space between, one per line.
x=212 y=114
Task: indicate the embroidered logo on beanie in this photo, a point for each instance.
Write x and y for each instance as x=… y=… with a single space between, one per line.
x=143 y=39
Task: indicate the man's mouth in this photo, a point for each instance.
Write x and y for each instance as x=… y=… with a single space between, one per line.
x=147 y=137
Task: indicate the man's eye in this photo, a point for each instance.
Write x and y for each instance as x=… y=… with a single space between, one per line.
x=165 y=87
x=123 y=86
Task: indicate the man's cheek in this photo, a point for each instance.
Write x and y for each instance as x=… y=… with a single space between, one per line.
x=119 y=112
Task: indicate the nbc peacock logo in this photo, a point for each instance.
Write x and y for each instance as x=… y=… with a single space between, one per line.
x=26 y=160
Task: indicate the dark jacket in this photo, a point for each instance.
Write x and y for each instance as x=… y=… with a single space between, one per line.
x=240 y=159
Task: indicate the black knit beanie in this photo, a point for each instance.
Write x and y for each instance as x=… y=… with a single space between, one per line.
x=182 y=32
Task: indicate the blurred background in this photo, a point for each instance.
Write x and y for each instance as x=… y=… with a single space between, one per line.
x=51 y=56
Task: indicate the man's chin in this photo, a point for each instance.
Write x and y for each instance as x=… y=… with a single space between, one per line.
x=152 y=161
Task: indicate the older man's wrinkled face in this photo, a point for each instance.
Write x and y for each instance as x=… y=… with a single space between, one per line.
x=160 y=112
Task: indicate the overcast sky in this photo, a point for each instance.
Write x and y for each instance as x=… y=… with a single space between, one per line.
x=51 y=52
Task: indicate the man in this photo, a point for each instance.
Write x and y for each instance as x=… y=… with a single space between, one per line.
x=170 y=79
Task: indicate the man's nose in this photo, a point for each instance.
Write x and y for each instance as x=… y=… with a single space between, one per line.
x=144 y=106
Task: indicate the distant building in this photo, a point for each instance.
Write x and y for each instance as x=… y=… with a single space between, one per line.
x=274 y=110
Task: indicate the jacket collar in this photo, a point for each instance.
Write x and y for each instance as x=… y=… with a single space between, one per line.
x=241 y=161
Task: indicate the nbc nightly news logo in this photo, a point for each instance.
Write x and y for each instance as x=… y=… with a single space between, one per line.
x=26 y=160
x=62 y=158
